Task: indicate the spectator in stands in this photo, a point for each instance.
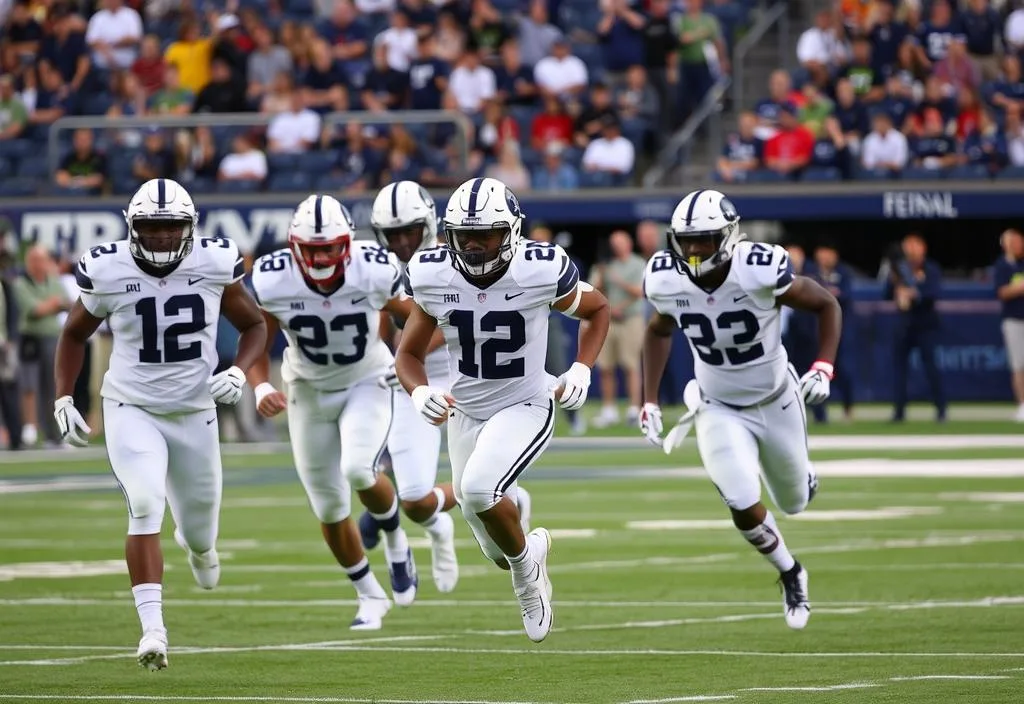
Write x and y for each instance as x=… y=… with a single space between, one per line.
x=113 y=36
x=610 y=158
x=932 y=40
x=496 y=128
x=837 y=278
x=986 y=145
x=356 y=160
x=636 y=102
x=792 y=147
x=155 y=160
x=898 y=101
x=245 y=162
x=885 y=148
x=592 y=120
x=399 y=42
x=349 y=41
x=968 y=118
x=84 y=169
x=324 y=84
x=915 y=284
x=487 y=30
x=1008 y=277
x=821 y=49
x=41 y=299
x=375 y=9
x=129 y=97
x=13 y=115
x=700 y=36
x=196 y=155
x=64 y=47
x=561 y=73
x=935 y=100
x=815 y=110
x=514 y=80
x=851 y=116
x=1014 y=137
x=148 y=69
x=22 y=35
x=509 y=169
x=1014 y=31
x=191 y=55
x=265 y=63
x=621 y=33
x=620 y=278
x=451 y=38
x=867 y=78
x=294 y=131
x=742 y=151
x=224 y=93
x=887 y=36
x=471 y=82
x=422 y=15
x=401 y=160
x=956 y=71
x=933 y=149
x=537 y=36
x=660 y=60
x=228 y=46
x=1008 y=90
x=428 y=76
x=551 y=126
x=54 y=100
x=173 y=98
x=10 y=401
x=780 y=92
x=386 y=88
x=982 y=27
x=832 y=151
x=554 y=174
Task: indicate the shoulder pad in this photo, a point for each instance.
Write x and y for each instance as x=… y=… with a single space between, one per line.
x=220 y=259
x=379 y=271
x=428 y=268
x=101 y=269
x=544 y=264
x=763 y=267
x=268 y=270
x=661 y=275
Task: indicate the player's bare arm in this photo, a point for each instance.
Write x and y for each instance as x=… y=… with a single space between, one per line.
x=591 y=307
x=401 y=307
x=656 y=351
x=239 y=307
x=807 y=294
x=70 y=356
x=410 y=364
x=269 y=401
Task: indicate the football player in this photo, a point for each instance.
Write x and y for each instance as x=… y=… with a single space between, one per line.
x=746 y=402
x=325 y=292
x=490 y=293
x=163 y=293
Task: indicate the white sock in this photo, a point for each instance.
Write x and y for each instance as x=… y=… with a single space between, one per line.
x=432 y=520
x=523 y=565
x=396 y=545
x=767 y=540
x=365 y=582
x=149 y=604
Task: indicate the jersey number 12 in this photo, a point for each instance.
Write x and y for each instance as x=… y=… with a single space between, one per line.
x=174 y=306
x=511 y=321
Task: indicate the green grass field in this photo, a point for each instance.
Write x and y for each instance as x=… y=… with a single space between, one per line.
x=915 y=549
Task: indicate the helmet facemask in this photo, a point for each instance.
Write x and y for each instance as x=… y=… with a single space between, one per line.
x=697 y=264
x=480 y=250
x=322 y=263
x=160 y=241
x=403 y=240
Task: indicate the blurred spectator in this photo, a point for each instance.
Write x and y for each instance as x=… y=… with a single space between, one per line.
x=155 y=160
x=496 y=129
x=324 y=84
x=278 y=98
x=349 y=41
x=401 y=159
x=196 y=154
x=554 y=174
x=129 y=98
x=887 y=36
x=815 y=110
x=790 y=150
x=451 y=38
x=835 y=276
x=375 y=8
x=10 y=401
x=742 y=152
x=934 y=101
x=985 y=146
x=487 y=30
x=54 y=100
x=982 y=26
x=551 y=126
x=956 y=71
x=224 y=93
x=64 y=47
x=294 y=131
x=509 y=169
x=660 y=44
x=914 y=284
x=610 y=154
x=885 y=148
x=22 y=34
x=265 y=63
x=113 y=35
x=13 y=115
x=968 y=116
x=832 y=150
x=780 y=92
x=700 y=48
x=84 y=168
x=932 y=39
x=621 y=278
x=867 y=77
x=898 y=101
x=245 y=162
x=850 y=114
x=191 y=54
x=148 y=69
x=41 y=298
x=399 y=41
x=636 y=99
x=537 y=36
x=1008 y=278
x=227 y=46
x=934 y=149
x=471 y=82
x=561 y=73
x=385 y=88
x=591 y=121
x=355 y=158
x=621 y=32
x=1008 y=91
x=421 y=13
x=514 y=80
x=1014 y=138
x=1014 y=32
x=173 y=98
x=428 y=76
x=821 y=48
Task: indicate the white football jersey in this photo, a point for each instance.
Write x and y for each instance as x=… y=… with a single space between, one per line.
x=333 y=339
x=164 y=328
x=735 y=331
x=497 y=337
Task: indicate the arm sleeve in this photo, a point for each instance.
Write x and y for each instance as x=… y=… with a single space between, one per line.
x=783 y=273
x=568 y=278
x=89 y=295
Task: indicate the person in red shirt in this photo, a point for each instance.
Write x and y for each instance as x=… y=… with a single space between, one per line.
x=149 y=67
x=552 y=125
x=792 y=146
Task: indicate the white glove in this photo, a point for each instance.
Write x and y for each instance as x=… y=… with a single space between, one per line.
x=390 y=380
x=433 y=404
x=694 y=402
x=575 y=385
x=814 y=385
x=650 y=423
x=226 y=387
x=70 y=422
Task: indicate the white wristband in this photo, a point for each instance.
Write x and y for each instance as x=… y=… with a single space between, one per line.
x=263 y=390
x=823 y=366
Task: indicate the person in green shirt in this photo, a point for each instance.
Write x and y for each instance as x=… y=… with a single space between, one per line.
x=13 y=116
x=701 y=54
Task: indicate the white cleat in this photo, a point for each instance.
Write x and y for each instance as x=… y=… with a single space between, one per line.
x=444 y=565
x=370 y=616
x=205 y=566
x=525 y=504
x=535 y=595
x=152 y=653
x=795 y=603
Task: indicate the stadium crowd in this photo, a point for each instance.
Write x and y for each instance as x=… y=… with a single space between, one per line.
x=918 y=89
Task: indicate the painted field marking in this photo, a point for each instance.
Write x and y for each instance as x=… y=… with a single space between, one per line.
x=917 y=678
x=821 y=688
x=1009 y=497
x=289 y=700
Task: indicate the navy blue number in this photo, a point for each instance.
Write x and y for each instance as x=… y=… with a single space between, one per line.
x=219 y=242
x=173 y=307
x=376 y=254
x=103 y=249
x=540 y=251
x=760 y=255
x=435 y=256
x=662 y=264
x=492 y=321
x=317 y=339
x=273 y=264
x=703 y=342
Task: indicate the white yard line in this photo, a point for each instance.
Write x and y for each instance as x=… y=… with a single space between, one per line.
x=289 y=700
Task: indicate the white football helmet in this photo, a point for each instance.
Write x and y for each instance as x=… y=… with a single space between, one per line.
x=162 y=221
x=478 y=209
x=704 y=214
x=320 y=237
x=404 y=219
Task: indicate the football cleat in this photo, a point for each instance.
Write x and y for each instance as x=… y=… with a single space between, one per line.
x=152 y=653
x=444 y=565
x=812 y=487
x=796 y=606
x=534 y=595
x=369 y=530
x=370 y=616
x=525 y=503
x=205 y=567
x=404 y=580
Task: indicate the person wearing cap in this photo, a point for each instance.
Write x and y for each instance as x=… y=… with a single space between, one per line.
x=792 y=147
x=225 y=45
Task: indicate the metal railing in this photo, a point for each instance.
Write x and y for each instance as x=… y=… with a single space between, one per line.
x=778 y=13
x=463 y=125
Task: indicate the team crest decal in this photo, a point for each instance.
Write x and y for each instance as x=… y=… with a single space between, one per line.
x=163 y=282
x=513 y=204
x=711 y=300
x=327 y=304
x=481 y=297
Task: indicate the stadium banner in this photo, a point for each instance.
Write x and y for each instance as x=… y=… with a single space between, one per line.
x=257 y=222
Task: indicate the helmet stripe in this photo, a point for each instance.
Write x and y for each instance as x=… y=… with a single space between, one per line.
x=161 y=193
x=693 y=204
x=474 y=191
x=318 y=215
x=394 y=200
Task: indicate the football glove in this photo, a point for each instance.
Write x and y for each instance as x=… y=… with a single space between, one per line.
x=432 y=403
x=814 y=385
x=73 y=428
x=575 y=385
x=650 y=423
x=226 y=387
x=390 y=380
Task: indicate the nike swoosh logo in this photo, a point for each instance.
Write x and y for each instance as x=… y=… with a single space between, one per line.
x=784 y=407
x=356 y=301
x=210 y=421
x=195 y=281
x=510 y=296
x=737 y=299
